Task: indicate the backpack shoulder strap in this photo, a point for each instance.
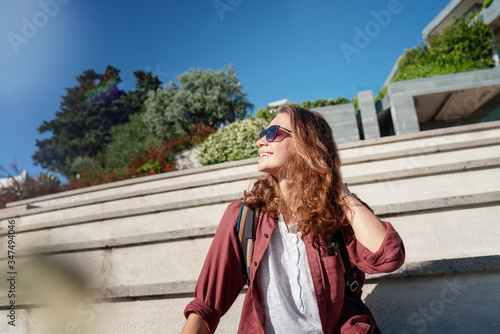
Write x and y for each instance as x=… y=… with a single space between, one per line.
x=336 y=244
x=245 y=229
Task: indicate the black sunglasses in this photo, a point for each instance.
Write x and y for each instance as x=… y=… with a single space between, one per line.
x=272 y=133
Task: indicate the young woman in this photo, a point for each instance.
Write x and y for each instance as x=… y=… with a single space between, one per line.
x=296 y=286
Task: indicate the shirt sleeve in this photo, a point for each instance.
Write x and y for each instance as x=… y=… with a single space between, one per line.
x=389 y=257
x=221 y=278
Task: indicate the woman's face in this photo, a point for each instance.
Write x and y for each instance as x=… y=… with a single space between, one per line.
x=275 y=155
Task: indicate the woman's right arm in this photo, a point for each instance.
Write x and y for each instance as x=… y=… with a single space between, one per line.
x=195 y=325
x=221 y=278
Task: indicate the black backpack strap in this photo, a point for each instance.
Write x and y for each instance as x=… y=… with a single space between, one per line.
x=336 y=244
x=245 y=229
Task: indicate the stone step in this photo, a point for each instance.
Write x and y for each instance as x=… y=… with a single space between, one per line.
x=431 y=304
x=449 y=228
x=184 y=179
x=129 y=223
x=403 y=186
x=426 y=142
x=429 y=159
x=482 y=264
x=399 y=166
x=461 y=209
x=427 y=187
x=422 y=140
x=181 y=214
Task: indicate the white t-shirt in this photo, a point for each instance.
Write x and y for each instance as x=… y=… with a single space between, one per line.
x=286 y=283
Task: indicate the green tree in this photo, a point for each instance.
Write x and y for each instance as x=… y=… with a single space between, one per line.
x=131 y=138
x=145 y=82
x=81 y=126
x=207 y=97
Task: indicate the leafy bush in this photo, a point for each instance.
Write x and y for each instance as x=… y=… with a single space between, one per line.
x=487 y=3
x=160 y=160
x=152 y=160
x=464 y=46
x=381 y=94
x=89 y=172
x=43 y=184
x=323 y=103
x=306 y=104
x=235 y=141
x=128 y=139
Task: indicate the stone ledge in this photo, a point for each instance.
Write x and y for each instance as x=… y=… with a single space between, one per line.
x=143 y=179
x=422 y=150
x=442 y=267
x=437 y=204
x=209 y=231
x=187 y=185
x=422 y=134
x=129 y=212
x=130 y=241
x=424 y=171
x=170 y=289
x=445 y=83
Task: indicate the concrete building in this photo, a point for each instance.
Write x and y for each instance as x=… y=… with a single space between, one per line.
x=447 y=100
x=427 y=103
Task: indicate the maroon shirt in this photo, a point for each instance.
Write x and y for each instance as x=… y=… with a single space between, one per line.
x=221 y=278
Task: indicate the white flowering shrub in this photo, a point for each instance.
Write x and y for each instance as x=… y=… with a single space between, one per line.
x=235 y=141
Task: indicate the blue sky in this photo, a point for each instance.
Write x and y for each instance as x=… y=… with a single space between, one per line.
x=279 y=49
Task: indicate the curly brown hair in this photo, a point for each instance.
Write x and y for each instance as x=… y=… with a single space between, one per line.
x=315 y=198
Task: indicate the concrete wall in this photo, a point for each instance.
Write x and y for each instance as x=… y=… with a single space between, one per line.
x=404 y=112
x=369 y=119
x=342 y=120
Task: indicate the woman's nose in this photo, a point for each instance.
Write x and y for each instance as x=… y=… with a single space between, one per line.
x=262 y=141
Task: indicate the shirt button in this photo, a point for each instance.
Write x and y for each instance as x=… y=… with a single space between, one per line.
x=255 y=263
x=266 y=235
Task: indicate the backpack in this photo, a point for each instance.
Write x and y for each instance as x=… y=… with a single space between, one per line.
x=246 y=228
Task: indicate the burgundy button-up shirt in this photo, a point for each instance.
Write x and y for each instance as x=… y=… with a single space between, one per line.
x=221 y=278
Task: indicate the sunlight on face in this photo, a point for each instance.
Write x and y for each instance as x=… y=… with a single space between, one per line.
x=275 y=155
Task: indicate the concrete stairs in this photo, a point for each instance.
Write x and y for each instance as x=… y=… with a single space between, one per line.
x=136 y=247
